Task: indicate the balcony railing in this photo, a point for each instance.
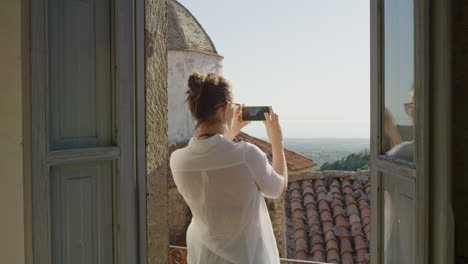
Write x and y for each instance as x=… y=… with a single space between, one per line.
x=178 y=255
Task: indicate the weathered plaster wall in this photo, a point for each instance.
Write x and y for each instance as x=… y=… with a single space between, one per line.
x=12 y=228
x=181 y=65
x=156 y=130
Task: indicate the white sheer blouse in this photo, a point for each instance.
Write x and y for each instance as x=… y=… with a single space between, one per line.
x=224 y=184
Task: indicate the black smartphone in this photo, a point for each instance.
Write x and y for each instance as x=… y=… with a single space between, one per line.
x=254 y=113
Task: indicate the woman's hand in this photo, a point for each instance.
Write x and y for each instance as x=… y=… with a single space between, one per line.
x=273 y=128
x=234 y=118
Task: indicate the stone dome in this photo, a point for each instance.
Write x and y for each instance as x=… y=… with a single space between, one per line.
x=184 y=31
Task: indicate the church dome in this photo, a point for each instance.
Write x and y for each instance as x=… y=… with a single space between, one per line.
x=184 y=32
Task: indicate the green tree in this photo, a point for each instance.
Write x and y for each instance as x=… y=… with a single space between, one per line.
x=354 y=162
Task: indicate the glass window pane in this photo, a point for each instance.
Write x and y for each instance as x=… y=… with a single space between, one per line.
x=399 y=79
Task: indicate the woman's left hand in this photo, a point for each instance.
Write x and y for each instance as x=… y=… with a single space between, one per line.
x=237 y=122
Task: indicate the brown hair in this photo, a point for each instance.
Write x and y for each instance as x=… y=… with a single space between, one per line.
x=206 y=94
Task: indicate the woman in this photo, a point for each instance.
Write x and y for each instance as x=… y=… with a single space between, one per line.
x=224 y=183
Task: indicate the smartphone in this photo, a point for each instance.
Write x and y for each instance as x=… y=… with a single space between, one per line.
x=254 y=113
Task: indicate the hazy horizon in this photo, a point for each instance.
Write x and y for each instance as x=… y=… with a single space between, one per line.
x=308 y=59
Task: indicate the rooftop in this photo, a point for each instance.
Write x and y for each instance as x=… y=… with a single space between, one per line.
x=328 y=217
x=184 y=32
x=295 y=161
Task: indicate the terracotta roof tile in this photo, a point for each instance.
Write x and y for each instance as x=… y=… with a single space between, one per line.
x=336 y=202
x=325 y=216
x=357 y=185
x=356 y=230
x=296 y=205
x=336 y=228
x=301 y=255
x=341 y=221
x=306 y=184
x=335 y=189
x=330 y=238
x=320 y=189
x=301 y=245
x=294 y=186
x=318 y=247
x=311 y=210
x=321 y=196
x=345 y=246
x=350 y=199
x=354 y=219
x=363 y=203
x=365 y=212
x=367 y=189
x=361 y=196
x=333 y=256
x=347 y=258
x=327 y=227
x=330 y=197
x=362 y=255
x=341 y=232
x=360 y=243
x=317 y=239
x=362 y=250
x=317 y=183
x=299 y=214
x=309 y=199
x=309 y=190
x=323 y=206
x=313 y=221
x=315 y=230
x=318 y=256
x=296 y=193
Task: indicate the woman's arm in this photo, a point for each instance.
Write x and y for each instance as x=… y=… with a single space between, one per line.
x=275 y=135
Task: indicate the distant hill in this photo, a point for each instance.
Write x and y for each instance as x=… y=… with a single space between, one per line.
x=354 y=162
x=323 y=150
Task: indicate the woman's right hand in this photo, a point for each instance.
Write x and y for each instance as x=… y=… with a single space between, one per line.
x=273 y=127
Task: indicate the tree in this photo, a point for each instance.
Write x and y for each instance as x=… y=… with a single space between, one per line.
x=354 y=162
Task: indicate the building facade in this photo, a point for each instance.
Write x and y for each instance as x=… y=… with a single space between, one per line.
x=190 y=49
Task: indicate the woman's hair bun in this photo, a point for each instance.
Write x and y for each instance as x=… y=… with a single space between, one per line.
x=206 y=93
x=195 y=83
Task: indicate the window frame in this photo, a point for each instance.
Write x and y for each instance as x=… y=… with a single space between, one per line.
x=381 y=164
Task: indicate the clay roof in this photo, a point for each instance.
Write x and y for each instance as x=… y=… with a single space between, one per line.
x=184 y=31
x=295 y=161
x=328 y=220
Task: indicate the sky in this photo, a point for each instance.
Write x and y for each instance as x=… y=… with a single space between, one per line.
x=309 y=59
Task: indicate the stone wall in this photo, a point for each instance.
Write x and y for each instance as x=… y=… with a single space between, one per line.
x=179 y=214
x=156 y=130
x=277 y=216
x=181 y=65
